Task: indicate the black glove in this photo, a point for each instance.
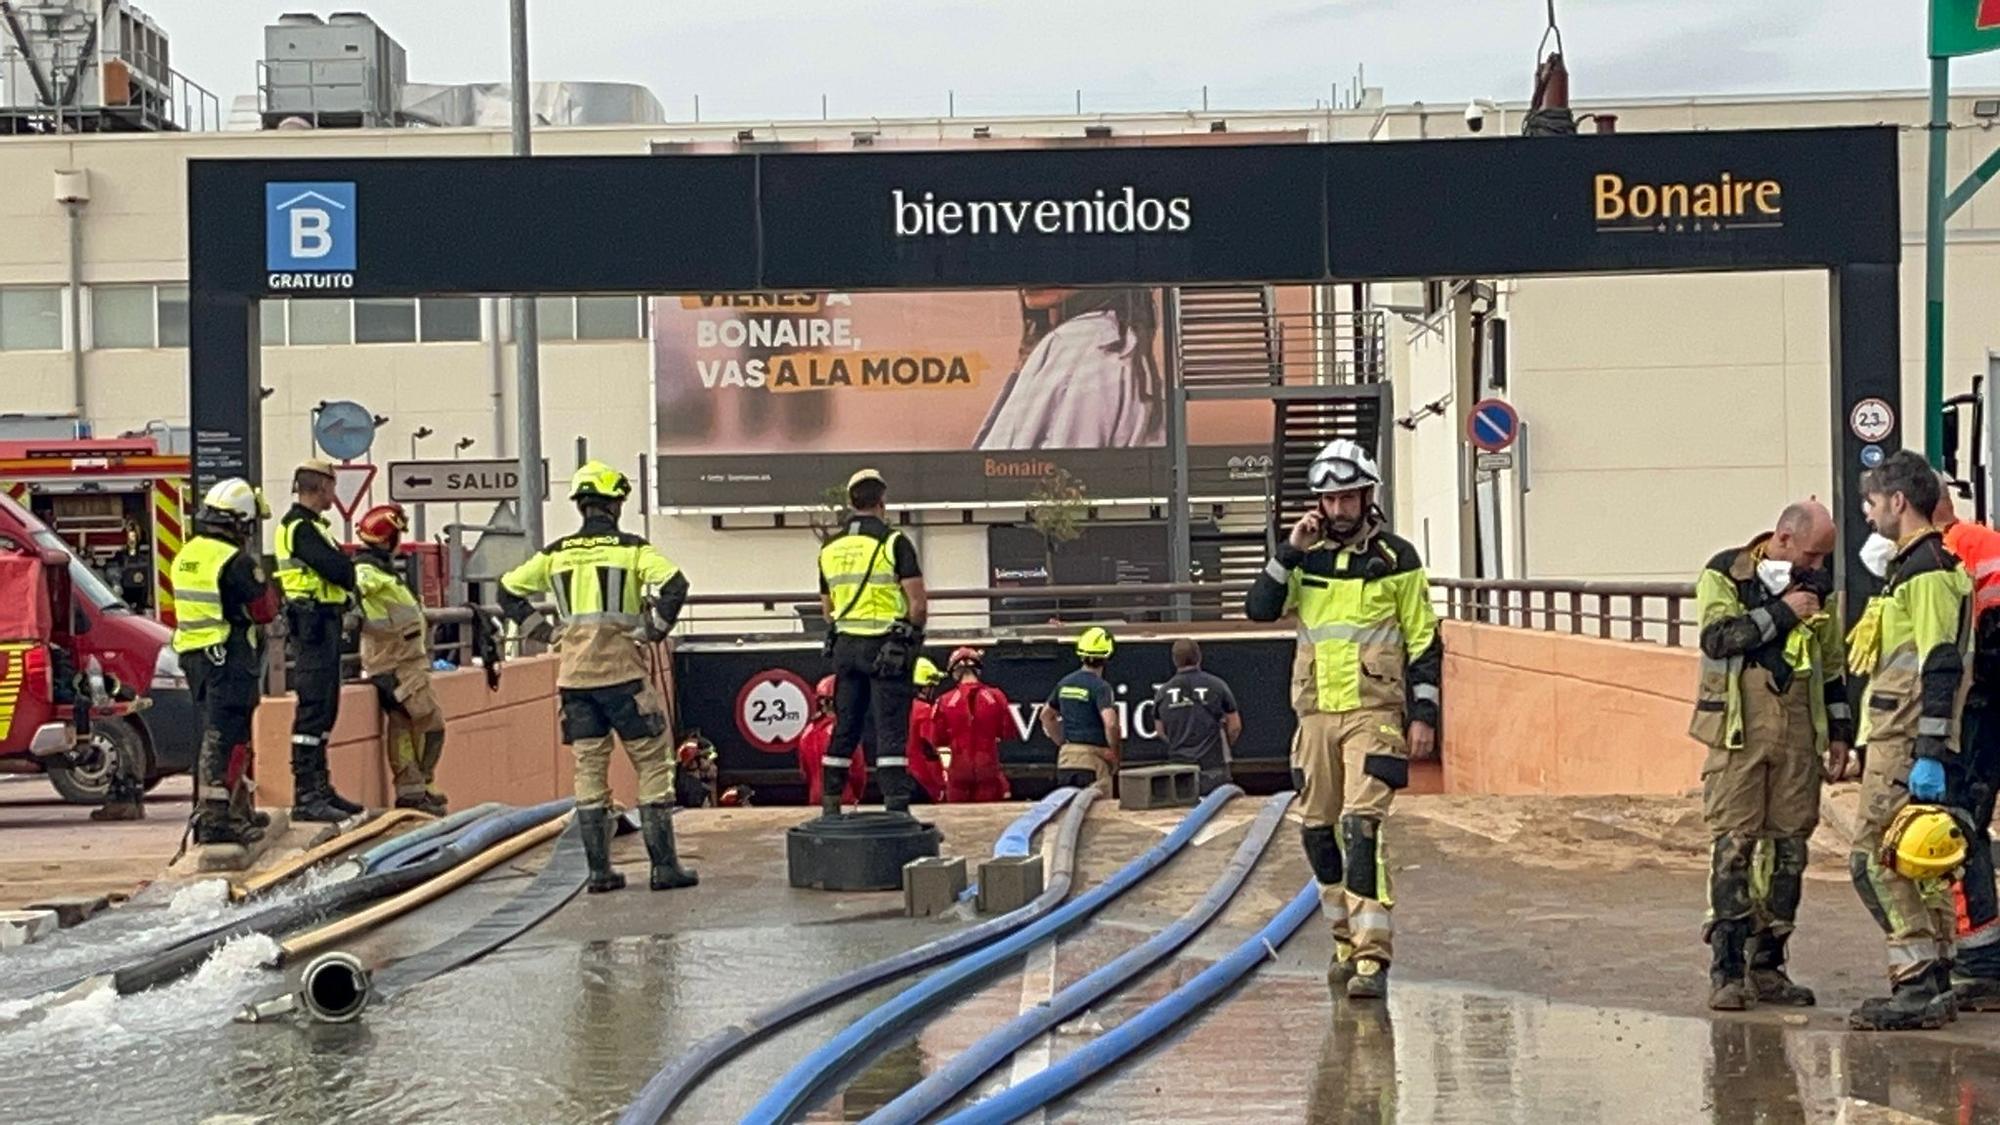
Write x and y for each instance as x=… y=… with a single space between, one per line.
x=538 y=628
x=654 y=623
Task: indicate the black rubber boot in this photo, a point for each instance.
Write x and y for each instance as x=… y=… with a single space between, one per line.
x=1975 y=979
x=597 y=850
x=347 y=808
x=1916 y=1005
x=310 y=803
x=1370 y=980
x=1340 y=967
x=657 y=823
x=1941 y=984
x=214 y=825
x=125 y=800
x=1768 y=979
x=832 y=782
x=895 y=790
x=1726 y=987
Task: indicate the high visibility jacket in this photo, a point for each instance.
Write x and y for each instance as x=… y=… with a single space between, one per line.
x=859 y=570
x=199 y=622
x=295 y=578
x=1978 y=548
x=1368 y=637
x=1744 y=624
x=394 y=635
x=598 y=579
x=1921 y=678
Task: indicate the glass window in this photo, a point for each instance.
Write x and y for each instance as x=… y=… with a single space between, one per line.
x=271 y=318
x=450 y=318
x=321 y=322
x=555 y=317
x=173 y=316
x=121 y=316
x=607 y=318
x=31 y=319
x=385 y=320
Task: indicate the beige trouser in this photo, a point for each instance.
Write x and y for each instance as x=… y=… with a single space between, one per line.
x=415 y=741
x=633 y=713
x=1917 y=917
x=1338 y=793
x=1077 y=756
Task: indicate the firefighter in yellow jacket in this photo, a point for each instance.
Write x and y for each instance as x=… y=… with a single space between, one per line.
x=613 y=593
x=396 y=659
x=1771 y=703
x=1367 y=693
x=1914 y=645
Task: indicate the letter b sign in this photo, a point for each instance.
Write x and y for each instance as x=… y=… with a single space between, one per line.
x=309 y=226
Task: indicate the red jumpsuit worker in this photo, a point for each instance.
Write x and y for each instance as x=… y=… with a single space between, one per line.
x=812 y=750
x=969 y=722
x=925 y=766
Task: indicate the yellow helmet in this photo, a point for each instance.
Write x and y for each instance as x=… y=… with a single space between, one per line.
x=599 y=480
x=1924 y=842
x=927 y=673
x=1095 y=644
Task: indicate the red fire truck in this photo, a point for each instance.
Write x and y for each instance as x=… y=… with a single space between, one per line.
x=118 y=502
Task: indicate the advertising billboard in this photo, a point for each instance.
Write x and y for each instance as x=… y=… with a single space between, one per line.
x=975 y=396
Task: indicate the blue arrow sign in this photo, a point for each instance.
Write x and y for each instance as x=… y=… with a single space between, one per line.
x=1493 y=425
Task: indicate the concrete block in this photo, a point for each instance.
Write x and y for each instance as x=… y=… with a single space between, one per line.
x=931 y=885
x=21 y=927
x=1009 y=883
x=1159 y=787
x=69 y=911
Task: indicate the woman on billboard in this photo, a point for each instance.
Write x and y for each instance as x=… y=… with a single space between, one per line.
x=1090 y=378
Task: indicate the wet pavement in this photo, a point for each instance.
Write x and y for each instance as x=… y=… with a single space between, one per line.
x=568 y=1022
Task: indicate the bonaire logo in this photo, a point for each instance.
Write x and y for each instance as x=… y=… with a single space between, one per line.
x=309 y=235
x=1725 y=202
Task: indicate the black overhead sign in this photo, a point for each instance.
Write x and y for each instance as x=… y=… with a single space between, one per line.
x=1011 y=217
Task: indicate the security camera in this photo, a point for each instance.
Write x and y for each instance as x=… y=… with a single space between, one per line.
x=1475 y=117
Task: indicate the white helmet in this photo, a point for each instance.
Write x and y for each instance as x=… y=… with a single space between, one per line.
x=1342 y=466
x=235 y=500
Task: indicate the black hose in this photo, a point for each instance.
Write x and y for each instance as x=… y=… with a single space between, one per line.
x=659 y=1096
x=320 y=905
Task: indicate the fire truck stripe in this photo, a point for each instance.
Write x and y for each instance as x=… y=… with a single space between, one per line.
x=167 y=542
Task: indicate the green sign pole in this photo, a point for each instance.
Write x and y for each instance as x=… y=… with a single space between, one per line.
x=1934 y=218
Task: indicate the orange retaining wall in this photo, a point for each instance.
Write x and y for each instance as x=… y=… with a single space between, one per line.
x=499 y=746
x=1530 y=712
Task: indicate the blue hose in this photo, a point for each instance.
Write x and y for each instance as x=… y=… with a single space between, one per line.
x=937 y=1091
x=796 y=1091
x=665 y=1090
x=1015 y=840
x=1080 y=1065
x=375 y=857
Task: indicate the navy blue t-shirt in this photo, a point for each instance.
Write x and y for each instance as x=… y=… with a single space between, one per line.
x=1080 y=700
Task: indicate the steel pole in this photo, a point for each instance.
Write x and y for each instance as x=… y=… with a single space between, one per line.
x=1180 y=532
x=1934 y=220
x=527 y=335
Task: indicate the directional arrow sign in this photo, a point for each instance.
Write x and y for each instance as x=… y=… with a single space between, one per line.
x=457 y=481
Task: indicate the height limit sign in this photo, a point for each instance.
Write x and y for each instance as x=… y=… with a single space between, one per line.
x=464 y=482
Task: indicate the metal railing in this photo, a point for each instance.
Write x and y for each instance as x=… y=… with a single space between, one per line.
x=451 y=640
x=1657 y=612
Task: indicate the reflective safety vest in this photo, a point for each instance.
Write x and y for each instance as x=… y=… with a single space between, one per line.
x=1363 y=624
x=860 y=575
x=598 y=581
x=198 y=621
x=1814 y=650
x=1926 y=607
x=298 y=580
x=393 y=633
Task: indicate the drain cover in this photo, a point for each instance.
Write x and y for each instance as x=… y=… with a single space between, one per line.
x=863 y=851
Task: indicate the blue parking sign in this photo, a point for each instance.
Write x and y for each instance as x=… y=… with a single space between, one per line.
x=309 y=227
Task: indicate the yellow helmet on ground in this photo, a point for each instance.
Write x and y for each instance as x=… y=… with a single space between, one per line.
x=928 y=672
x=1095 y=644
x=595 y=479
x=1924 y=842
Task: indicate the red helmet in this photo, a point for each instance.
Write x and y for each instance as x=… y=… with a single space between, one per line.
x=960 y=657
x=382 y=526
x=735 y=797
x=824 y=692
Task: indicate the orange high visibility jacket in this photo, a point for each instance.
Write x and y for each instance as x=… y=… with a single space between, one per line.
x=1978 y=547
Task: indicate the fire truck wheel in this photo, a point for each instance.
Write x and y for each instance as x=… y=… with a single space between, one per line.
x=87 y=782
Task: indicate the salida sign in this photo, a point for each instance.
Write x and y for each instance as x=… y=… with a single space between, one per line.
x=413 y=482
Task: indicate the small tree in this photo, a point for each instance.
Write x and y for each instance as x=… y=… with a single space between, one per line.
x=831 y=515
x=1057 y=508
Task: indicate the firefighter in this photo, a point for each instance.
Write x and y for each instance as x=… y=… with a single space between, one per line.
x=396 y=659
x=1918 y=678
x=1366 y=688
x=925 y=768
x=318 y=581
x=1970 y=788
x=223 y=600
x=817 y=736
x=1771 y=701
x=968 y=722
x=871 y=589
x=695 y=772
x=1081 y=718
x=596 y=578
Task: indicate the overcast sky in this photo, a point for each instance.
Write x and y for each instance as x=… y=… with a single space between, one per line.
x=762 y=61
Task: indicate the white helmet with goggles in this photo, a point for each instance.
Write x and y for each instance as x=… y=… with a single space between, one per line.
x=1342 y=466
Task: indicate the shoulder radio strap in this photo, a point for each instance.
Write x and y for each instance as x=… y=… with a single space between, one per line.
x=866 y=571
